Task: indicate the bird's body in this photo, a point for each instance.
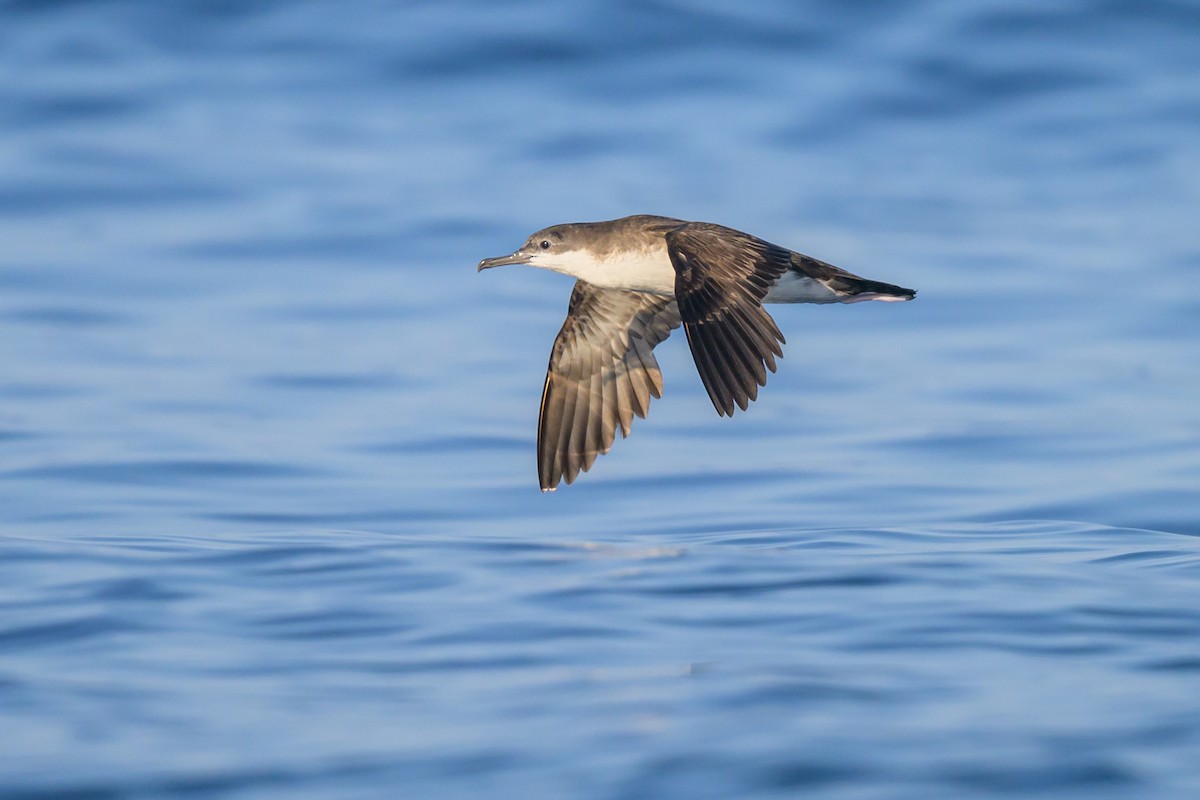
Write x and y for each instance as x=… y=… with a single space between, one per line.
x=640 y=277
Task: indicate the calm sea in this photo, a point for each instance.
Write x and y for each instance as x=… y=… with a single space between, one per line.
x=269 y=517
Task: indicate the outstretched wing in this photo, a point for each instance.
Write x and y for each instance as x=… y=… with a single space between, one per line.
x=602 y=372
x=721 y=277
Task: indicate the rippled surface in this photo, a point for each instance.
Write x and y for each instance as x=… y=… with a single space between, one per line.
x=270 y=521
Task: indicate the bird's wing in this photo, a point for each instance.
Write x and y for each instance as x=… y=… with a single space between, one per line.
x=602 y=372
x=721 y=277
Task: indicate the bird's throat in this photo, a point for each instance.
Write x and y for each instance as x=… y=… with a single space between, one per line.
x=645 y=269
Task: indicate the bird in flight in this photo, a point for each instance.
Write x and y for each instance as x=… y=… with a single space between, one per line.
x=637 y=279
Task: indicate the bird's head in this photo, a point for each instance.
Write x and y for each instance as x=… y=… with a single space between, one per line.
x=544 y=249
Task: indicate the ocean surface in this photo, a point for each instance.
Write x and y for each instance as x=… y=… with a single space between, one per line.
x=269 y=516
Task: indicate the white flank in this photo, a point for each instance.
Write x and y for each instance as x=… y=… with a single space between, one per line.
x=793 y=288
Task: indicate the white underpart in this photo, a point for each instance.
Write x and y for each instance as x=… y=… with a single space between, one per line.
x=885 y=298
x=647 y=270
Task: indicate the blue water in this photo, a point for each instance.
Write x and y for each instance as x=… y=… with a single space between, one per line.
x=269 y=517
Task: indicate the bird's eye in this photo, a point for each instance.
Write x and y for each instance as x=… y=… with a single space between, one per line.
x=545 y=245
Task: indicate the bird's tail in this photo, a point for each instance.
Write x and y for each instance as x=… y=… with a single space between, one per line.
x=849 y=287
x=858 y=289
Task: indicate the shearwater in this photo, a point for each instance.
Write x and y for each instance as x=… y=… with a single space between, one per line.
x=638 y=278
